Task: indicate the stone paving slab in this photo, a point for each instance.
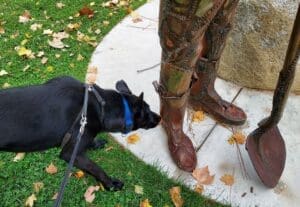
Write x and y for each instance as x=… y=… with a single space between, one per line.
x=134 y=46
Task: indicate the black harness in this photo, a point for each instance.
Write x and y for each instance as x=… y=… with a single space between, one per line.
x=82 y=116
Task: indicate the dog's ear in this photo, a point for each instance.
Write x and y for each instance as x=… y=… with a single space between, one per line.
x=141 y=96
x=122 y=87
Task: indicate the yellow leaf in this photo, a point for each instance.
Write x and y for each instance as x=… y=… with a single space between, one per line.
x=50 y=69
x=24 y=42
x=105 y=23
x=199 y=189
x=239 y=137
x=6 y=85
x=80 y=57
x=202 y=175
x=30 y=200
x=19 y=156
x=198 y=116
x=38 y=186
x=79 y=174
x=22 y=51
x=176 y=197
x=133 y=139
x=227 y=179
x=145 y=203
x=3 y=72
x=51 y=169
x=138 y=189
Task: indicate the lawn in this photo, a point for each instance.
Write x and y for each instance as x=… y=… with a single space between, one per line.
x=27 y=58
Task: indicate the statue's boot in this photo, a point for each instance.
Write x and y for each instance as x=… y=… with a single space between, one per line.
x=173 y=101
x=203 y=94
x=182 y=23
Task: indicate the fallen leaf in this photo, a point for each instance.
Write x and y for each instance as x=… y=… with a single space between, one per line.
x=38 y=186
x=239 y=137
x=60 y=5
x=105 y=23
x=6 y=85
x=138 y=189
x=202 y=175
x=30 y=200
x=50 y=69
x=97 y=31
x=79 y=174
x=92 y=3
x=54 y=197
x=51 y=169
x=227 y=179
x=22 y=51
x=36 y=26
x=176 y=197
x=198 y=116
x=199 y=188
x=108 y=148
x=48 y=32
x=40 y=54
x=56 y=43
x=89 y=195
x=72 y=27
x=3 y=72
x=61 y=35
x=145 y=203
x=86 y=11
x=133 y=138
x=79 y=57
x=24 y=42
x=26 y=68
x=25 y=17
x=44 y=60
x=2 y=30
x=136 y=17
x=19 y=156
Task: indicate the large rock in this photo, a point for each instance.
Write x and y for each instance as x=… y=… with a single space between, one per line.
x=256 y=48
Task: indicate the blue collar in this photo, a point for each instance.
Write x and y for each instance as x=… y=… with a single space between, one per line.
x=127 y=116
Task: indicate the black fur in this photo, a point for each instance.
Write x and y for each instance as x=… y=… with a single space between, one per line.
x=36 y=118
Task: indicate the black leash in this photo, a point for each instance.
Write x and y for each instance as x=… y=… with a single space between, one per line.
x=83 y=123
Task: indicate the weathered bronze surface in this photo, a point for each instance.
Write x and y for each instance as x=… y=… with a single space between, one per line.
x=265 y=145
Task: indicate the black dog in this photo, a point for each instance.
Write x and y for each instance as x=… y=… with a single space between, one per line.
x=36 y=118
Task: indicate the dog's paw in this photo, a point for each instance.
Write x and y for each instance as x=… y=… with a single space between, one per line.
x=98 y=144
x=114 y=185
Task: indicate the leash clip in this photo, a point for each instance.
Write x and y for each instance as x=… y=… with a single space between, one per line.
x=83 y=123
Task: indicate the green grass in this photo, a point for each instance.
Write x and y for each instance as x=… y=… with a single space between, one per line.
x=17 y=178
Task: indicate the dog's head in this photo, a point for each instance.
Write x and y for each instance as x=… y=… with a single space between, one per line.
x=142 y=116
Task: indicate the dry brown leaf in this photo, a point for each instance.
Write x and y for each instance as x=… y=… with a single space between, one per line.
x=54 y=197
x=145 y=203
x=176 y=197
x=108 y=148
x=136 y=17
x=202 y=175
x=56 y=43
x=198 y=116
x=227 y=179
x=79 y=174
x=51 y=169
x=2 y=30
x=86 y=11
x=36 y=26
x=199 y=188
x=47 y=32
x=89 y=194
x=30 y=200
x=72 y=27
x=19 y=156
x=133 y=138
x=38 y=186
x=25 y=17
x=105 y=23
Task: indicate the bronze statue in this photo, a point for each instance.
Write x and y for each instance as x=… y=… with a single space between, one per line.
x=192 y=36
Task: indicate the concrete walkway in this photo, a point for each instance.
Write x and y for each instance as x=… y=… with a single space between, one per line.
x=134 y=46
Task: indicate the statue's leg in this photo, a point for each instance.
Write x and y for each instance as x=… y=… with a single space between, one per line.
x=182 y=23
x=203 y=94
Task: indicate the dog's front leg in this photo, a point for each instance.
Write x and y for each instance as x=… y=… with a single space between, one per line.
x=84 y=163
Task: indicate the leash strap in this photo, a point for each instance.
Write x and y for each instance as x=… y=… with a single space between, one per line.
x=83 y=123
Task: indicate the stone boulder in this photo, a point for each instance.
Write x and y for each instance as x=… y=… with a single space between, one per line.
x=256 y=47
